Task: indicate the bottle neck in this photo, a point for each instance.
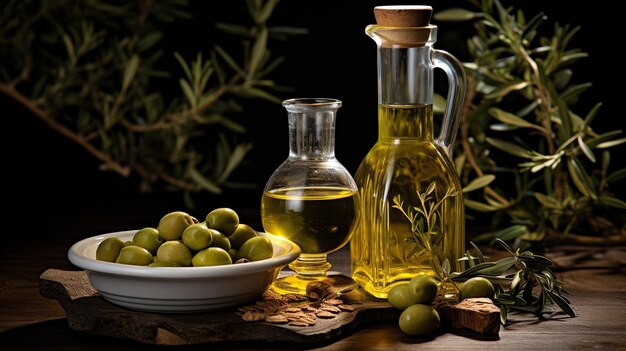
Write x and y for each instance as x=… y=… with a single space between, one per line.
x=405 y=92
x=405 y=122
x=405 y=75
x=312 y=134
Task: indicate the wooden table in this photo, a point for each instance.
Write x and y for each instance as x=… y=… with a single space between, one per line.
x=29 y=321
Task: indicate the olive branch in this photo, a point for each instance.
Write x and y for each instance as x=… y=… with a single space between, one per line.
x=545 y=170
x=94 y=72
x=531 y=286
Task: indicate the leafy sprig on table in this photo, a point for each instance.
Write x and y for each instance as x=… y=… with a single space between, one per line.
x=523 y=281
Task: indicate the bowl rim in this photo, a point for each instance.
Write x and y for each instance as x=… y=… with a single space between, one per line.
x=76 y=255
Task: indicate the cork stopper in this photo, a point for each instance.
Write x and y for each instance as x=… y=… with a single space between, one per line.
x=403 y=15
x=403 y=26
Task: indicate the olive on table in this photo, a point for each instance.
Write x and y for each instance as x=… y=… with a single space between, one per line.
x=197 y=236
x=256 y=249
x=419 y=320
x=109 y=249
x=148 y=238
x=477 y=287
x=223 y=219
x=241 y=235
x=424 y=289
x=400 y=297
x=135 y=255
x=212 y=256
x=174 y=251
x=172 y=225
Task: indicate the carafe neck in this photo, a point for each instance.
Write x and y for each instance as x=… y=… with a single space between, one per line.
x=312 y=128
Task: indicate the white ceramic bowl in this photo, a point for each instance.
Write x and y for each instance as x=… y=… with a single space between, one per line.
x=179 y=289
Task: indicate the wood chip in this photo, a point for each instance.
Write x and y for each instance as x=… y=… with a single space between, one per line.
x=297 y=310
x=253 y=316
x=293 y=309
x=292 y=316
x=276 y=319
x=309 y=308
x=271 y=306
x=318 y=290
x=294 y=297
x=346 y=308
x=309 y=321
x=325 y=315
x=331 y=309
x=270 y=295
x=333 y=302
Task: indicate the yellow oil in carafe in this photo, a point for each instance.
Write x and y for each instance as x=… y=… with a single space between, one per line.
x=403 y=163
x=318 y=219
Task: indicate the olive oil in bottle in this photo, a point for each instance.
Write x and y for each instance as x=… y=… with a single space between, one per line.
x=403 y=164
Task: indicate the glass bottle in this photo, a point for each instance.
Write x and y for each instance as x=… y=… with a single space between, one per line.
x=408 y=167
x=310 y=199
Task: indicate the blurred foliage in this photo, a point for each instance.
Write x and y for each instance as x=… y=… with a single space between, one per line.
x=88 y=69
x=531 y=162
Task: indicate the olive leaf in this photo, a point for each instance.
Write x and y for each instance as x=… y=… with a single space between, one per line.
x=479 y=183
x=455 y=14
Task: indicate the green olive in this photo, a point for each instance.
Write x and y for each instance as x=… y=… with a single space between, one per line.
x=219 y=240
x=424 y=289
x=477 y=287
x=129 y=243
x=213 y=256
x=400 y=297
x=148 y=238
x=197 y=236
x=233 y=254
x=419 y=320
x=174 y=251
x=164 y=264
x=172 y=225
x=241 y=235
x=223 y=219
x=256 y=249
x=109 y=249
x=135 y=255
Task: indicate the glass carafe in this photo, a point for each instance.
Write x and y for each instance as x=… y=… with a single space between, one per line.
x=408 y=167
x=310 y=199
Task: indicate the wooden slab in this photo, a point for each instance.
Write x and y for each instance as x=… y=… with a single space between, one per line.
x=88 y=312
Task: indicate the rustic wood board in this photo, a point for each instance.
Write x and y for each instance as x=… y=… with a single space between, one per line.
x=88 y=312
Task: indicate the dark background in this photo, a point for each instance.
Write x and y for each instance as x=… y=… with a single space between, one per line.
x=53 y=187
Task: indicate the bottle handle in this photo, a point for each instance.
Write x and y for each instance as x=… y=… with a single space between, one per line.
x=457 y=85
